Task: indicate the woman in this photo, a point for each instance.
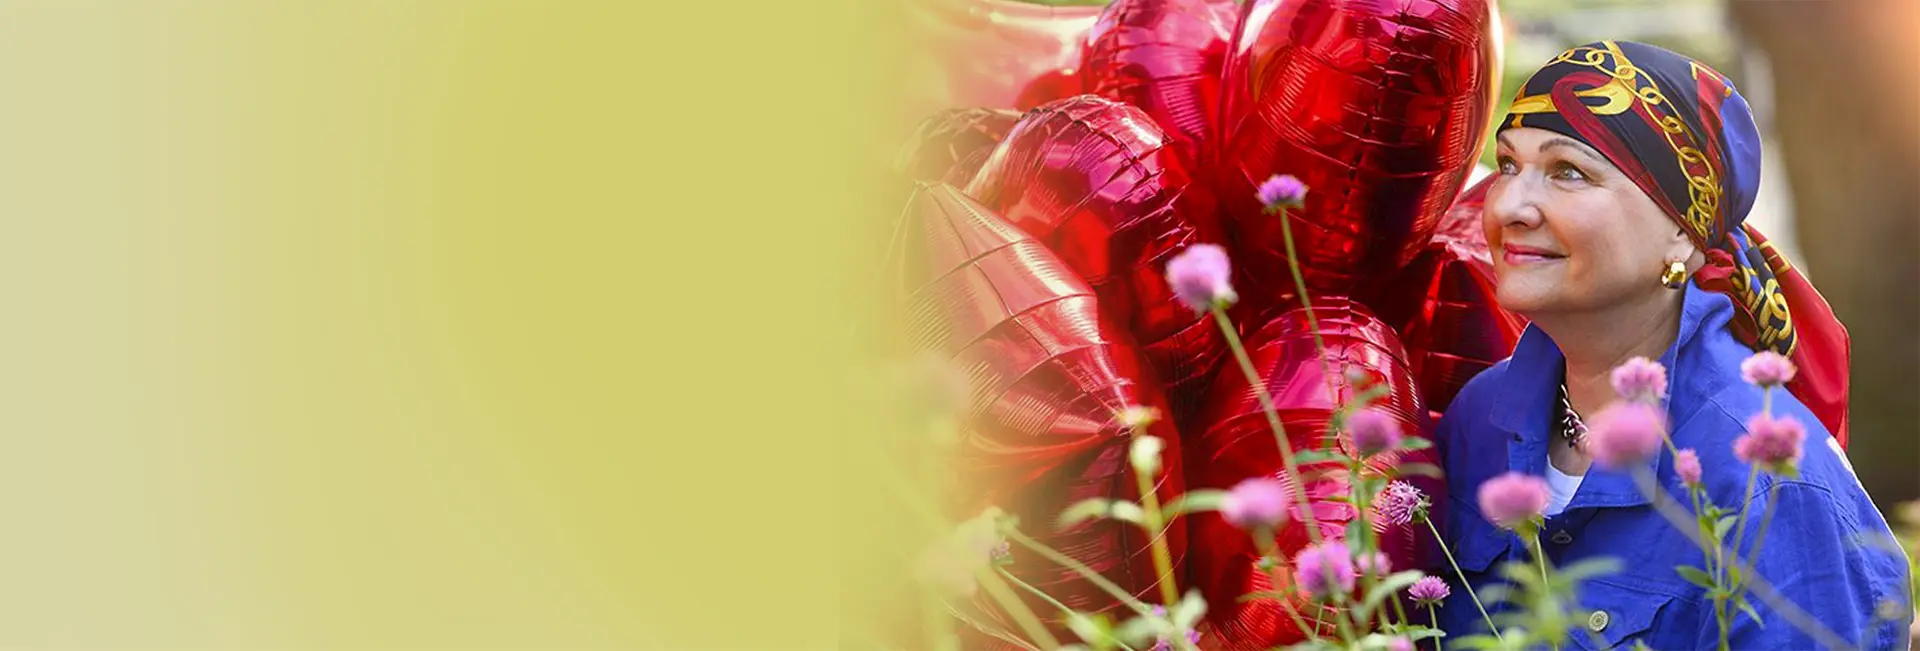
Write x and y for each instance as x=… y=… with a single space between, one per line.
x=1616 y=224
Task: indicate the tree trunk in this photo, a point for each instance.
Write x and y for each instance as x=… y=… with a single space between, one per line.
x=1846 y=82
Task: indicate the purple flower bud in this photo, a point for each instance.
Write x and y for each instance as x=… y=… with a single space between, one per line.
x=1373 y=431
x=1774 y=444
x=1624 y=434
x=1429 y=591
x=1282 y=191
x=1767 y=369
x=1258 y=503
x=1513 y=500
x=1686 y=463
x=1640 y=379
x=1201 y=277
x=1400 y=503
x=1325 y=570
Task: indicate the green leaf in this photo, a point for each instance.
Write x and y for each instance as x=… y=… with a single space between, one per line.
x=1747 y=608
x=1305 y=457
x=1088 y=509
x=1196 y=501
x=1419 y=469
x=1696 y=576
x=1356 y=529
x=1189 y=611
x=1264 y=594
x=1095 y=508
x=1477 y=643
x=1496 y=594
x=1587 y=569
x=1720 y=528
x=1139 y=630
x=1096 y=629
x=1418 y=633
x=1415 y=443
x=1387 y=588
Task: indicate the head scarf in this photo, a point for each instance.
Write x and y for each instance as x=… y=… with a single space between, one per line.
x=1686 y=137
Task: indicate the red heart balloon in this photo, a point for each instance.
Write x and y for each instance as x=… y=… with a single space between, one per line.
x=1461 y=222
x=1236 y=444
x=1163 y=57
x=1444 y=307
x=951 y=145
x=1378 y=107
x=1092 y=180
x=1049 y=374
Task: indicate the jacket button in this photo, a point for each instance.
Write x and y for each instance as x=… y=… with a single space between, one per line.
x=1561 y=537
x=1598 y=621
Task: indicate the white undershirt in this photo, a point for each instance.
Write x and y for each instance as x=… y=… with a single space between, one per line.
x=1561 y=487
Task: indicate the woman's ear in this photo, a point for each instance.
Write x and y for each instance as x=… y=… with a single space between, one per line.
x=1680 y=247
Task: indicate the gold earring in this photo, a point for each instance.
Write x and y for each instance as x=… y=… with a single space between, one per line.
x=1674 y=275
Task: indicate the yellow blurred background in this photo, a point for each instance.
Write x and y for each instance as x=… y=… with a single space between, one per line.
x=373 y=324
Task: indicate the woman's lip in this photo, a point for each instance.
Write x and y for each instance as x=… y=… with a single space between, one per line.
x=1514 y=257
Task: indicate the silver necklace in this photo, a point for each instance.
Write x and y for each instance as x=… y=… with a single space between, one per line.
x=1571 y=428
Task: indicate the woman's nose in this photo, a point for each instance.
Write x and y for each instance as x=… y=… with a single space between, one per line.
x=1514 y=202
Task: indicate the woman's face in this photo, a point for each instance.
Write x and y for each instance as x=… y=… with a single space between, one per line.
x=1569 y=232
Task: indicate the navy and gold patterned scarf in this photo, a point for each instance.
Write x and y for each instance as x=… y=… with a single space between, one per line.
x=1687 y=138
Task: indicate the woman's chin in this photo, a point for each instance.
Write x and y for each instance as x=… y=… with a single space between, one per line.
x=1525 y=298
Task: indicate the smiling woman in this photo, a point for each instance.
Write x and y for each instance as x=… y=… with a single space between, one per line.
x=1596 y=252
x=1625 y=173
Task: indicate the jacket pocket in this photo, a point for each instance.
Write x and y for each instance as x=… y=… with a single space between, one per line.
x=1620 y=615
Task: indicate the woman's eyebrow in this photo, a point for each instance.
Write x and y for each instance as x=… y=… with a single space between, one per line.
x=1565 y=143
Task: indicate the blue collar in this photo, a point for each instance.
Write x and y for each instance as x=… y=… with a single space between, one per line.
x=1531 y=385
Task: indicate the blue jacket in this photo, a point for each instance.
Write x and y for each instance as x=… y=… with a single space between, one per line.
x=1826 y=549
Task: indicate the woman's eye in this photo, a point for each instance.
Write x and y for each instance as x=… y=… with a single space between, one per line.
x=1566 y=172
x=1506 y=166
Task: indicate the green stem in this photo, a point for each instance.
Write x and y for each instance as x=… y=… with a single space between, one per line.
x=1399 y=610
x=1091 y=576
x=1300 y=284
x=1029 y=623
x=1345 y=621
x=1023 y=585
x=930 y=516
x=1540 y=555
x=1156 y=529
x=1761 y=587
x=1273 y=421
x=1286 y=601
x=1740 y=525
x=1433 y=619
x=1766 y=519
x=1720 y=618
x=1464 y=583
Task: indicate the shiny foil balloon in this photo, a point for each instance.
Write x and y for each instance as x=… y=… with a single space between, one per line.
x=1378 y=107
x=1093 y=180
x=1237 y=444
x=986 y=53
x=1049 y=374
x=1461 y=222
x=1444 y=307
x=951 y=145
x=1163 y=57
